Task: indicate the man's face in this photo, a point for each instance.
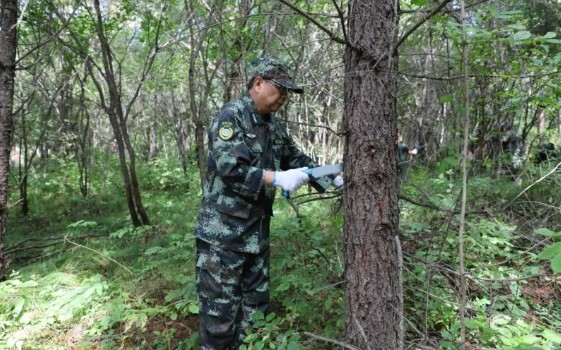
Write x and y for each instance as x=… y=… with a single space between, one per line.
x=268 y=97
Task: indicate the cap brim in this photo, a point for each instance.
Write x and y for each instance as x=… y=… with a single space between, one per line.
x=289 y=85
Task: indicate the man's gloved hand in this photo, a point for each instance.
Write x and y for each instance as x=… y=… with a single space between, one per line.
x=291 y=180
x=338 y=181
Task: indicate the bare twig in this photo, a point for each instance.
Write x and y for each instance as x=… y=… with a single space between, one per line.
x=319 y=25
x=342 y=18
x=19 y=247
x=10 y=206
x=361 y=329
x=332 y=341
x=97 y=252
x=532 y=185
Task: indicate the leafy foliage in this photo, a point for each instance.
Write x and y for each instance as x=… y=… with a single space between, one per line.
x=84 y=277
x=113 y=290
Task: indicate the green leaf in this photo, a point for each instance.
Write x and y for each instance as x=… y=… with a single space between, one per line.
x=293 y=346
x=445 y=99
x=551 y=336
x=83 y=224
x=419 y=2
x=194 y=309
x=550 y=251
x=500 y=320
x=471 y=324
x=29 y=284
x=547 y=232
x=530 y=339
x=523 y=35
x=556 y=263
x=18 y=308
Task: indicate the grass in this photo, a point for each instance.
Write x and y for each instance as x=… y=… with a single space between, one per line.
x=133 y=288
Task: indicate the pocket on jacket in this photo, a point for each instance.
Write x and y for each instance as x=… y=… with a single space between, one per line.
x=233 y=206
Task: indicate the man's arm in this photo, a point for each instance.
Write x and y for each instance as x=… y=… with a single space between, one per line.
x=295 y=158
x=230 y=157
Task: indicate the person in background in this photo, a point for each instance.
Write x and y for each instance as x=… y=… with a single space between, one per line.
x=250 y=154
x=403 y=153
x=512 y=145
x=546 y=153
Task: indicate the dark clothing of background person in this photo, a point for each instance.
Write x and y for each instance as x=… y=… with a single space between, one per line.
x=403 y=153
x=546 y=152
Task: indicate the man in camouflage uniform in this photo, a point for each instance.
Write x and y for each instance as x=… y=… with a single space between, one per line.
x=250 y=154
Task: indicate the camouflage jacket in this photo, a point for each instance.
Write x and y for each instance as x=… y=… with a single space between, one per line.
x=236 y=206
x=513 y=144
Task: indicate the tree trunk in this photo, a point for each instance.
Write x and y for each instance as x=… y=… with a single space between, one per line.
x=180 y=133
x=541 y=125
x=117 y=118
x=24 y=168
x=153 y=137
x=84 y=149
x=374 y=295
x=559 y=124
x=8 y=44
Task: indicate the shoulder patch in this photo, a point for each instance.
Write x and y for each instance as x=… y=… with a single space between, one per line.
x=226 y=130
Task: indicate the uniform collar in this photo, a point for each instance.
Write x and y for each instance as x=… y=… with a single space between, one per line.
x=256 y=118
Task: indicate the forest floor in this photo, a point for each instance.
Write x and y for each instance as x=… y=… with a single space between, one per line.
x=81 y=277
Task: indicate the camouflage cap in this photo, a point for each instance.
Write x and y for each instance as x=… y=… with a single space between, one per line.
x=274 y=71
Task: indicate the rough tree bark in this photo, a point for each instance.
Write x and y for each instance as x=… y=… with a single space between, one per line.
x=374 y=295
x=8 y=44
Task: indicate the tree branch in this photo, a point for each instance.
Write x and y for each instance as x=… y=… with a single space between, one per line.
x=327 y=340
x=319 y=25
x=342 y=18
x=418 y=24
x=20 y=246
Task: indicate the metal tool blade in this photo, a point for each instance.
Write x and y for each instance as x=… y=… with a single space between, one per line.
x=325 y=170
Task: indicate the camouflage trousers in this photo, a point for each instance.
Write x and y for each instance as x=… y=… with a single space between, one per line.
x=231 y=286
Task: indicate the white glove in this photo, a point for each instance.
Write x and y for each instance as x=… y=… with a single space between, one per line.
x=414 y=151
x=338 y=181
x=291 y=180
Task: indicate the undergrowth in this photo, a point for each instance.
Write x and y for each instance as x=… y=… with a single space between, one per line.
x=83 y=278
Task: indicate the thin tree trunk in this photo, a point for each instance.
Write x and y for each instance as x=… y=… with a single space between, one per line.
x=465 y=62
x=8 y=45
x=559 y=124
x=153 y=136
x=180 y=133
x=198 y=111
x=541 y=125
x=83 y=151
x=117 y=118
x=24 y=168
x=374 y=295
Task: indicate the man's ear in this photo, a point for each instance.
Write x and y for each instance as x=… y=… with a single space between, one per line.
x=258 y=82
